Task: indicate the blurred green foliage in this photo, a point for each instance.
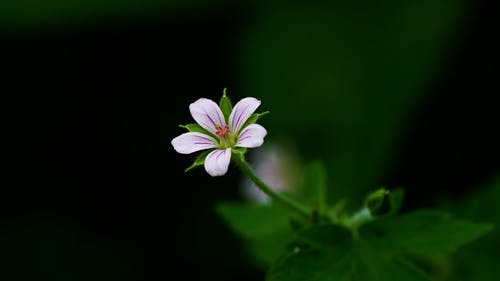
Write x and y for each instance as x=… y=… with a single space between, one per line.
x=333 y=255
x=254 y=221
x=342 y=77
x=422 y=232
x=479 y=260
x=330 y=253
x=315 y=187
x=265 y=229
x=315 y=249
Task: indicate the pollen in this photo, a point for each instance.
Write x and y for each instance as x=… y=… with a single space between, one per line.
x=222 y=131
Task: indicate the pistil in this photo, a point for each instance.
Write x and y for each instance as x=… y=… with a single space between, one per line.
x=226 y=138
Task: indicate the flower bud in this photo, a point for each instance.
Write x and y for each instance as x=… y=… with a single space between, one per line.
x=378 y=202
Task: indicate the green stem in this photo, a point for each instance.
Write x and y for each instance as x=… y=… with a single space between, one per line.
x=281 y=198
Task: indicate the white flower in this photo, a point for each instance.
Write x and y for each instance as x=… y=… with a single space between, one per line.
x=221 y=136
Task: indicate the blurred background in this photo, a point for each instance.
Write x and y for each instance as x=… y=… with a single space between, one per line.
x=385 y=93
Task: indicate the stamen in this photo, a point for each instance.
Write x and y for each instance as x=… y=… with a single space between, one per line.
x=222 y=131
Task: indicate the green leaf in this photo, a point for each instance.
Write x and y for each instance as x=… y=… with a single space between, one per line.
x=331 y=254
x=326 y=235
x=264 y=228
x=195 y=128
x=199 y=161
x=253 y=220
x=479 y=260
x=264 y=250
x=254 y=118
x=315 y=189
x=225 y=105
x=314 y=264
x=421 y=232
x=396 y=200
x=384 y=267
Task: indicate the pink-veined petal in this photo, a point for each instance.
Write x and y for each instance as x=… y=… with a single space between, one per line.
x=241 y=111
x=207 y=114
x=192 y=142
x=217 y=162
x=252 y=136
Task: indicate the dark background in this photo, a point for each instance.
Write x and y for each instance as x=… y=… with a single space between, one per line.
x=92 y=187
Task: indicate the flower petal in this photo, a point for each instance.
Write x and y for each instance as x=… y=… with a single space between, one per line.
x=241 y=111
x=207 y=113
x=192 y=142
x=251 y=136
x=217 y=162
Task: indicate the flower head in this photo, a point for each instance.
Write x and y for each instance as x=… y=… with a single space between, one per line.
x=219 y=131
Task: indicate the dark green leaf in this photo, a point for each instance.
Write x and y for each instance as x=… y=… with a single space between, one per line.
x=484 y=204
x=265 y=229
x=479 y=260
x=321 y=236
x=421 y=232
x=225 y=105
x=199 y=161
x=333 y=255
x=313 y=265
x=396 y=200
x=195 y=128
x=253 y=220
x=264 y=250
x=382 y=267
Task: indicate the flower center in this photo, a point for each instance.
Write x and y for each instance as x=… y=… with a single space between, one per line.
x=222 y=131
x=226 y=138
